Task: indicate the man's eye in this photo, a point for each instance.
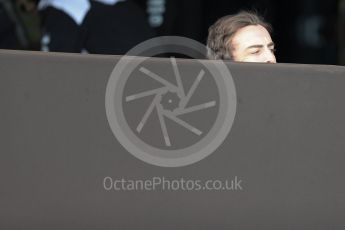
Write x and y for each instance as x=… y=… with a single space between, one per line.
x=273 y=50
x=255 y=52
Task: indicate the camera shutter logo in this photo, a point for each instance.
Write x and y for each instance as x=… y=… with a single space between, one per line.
x=167 y=114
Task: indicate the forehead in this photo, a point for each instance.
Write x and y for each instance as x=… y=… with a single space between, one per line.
x=251 y=35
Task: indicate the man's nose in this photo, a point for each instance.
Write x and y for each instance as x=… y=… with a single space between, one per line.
x=269 y=57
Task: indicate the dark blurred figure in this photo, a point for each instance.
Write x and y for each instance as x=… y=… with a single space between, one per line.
x=101 y=27
x=18 y=24
x=13 y=32
x=175 y=17
x=8 y=37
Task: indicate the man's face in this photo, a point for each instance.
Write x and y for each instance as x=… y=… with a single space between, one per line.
x=253 y=44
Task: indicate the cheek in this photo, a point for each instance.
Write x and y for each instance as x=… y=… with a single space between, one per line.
x=251 y=58
x=239 y=56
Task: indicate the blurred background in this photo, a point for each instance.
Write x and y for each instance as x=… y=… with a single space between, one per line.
x=305 y=31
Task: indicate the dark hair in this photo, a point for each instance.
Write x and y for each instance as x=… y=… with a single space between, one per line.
x=221 y=33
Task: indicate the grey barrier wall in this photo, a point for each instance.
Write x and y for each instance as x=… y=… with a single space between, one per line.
x=63 y=165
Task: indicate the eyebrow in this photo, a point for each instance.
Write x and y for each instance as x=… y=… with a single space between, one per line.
x=259 y=46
